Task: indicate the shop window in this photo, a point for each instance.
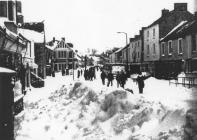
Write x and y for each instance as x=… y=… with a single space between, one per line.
x=10 y=11
x=3 y=8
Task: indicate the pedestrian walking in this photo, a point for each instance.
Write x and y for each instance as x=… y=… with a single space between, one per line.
x=123 y=78
x=110 y=78
x=78 y=74
x=140 y=80
x=118 y=79
x=103 y=76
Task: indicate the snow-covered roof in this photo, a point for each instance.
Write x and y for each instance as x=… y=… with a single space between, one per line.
x=6 y=70
x=173 y=30
x=118 y=50
x=32 y=35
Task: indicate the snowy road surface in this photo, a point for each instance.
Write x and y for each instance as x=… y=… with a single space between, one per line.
x=88 y=110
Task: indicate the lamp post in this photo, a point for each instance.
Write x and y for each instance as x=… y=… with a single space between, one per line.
x=126 y=50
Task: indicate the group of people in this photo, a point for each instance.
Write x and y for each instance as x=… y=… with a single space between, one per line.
x=90 y=74
x=121 y=79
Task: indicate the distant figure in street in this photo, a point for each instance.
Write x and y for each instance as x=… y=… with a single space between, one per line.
x=81 y=72
x=123 y=78
x=118 y=79
x=140 y=80
x=110 y=78
x=78 y=74
x=103 y=76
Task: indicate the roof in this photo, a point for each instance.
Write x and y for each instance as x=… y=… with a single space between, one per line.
x=6 y=70
x=172 y=32
x=118 y=50
x=159 y=20
x=32 y=35
x=183 y=28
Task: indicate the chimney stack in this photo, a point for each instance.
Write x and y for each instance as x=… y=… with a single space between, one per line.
x=164 y=12
x=180 y=6
x=195 y=6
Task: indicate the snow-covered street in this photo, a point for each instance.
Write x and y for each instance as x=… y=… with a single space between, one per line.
x=88 y=110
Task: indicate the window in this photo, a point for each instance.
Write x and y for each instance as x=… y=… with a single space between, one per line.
x=148 y=49
x=59 y=54
x=70 y=54
x=64 y=54
x=154 y=49
x=194 y=40
x=10 y=10
x=170 y=47
x=180 y=46
x=3 y=8
x=147 y=34
x=162 y=48
x=19 y=8
x=153 y=33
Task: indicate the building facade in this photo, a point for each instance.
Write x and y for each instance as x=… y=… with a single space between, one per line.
x=179 y=49
x=64 y=56
x=158 y=29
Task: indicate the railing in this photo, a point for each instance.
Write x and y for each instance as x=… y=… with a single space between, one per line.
x=186 y=81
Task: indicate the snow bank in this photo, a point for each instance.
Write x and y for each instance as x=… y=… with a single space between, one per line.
x=77 y=112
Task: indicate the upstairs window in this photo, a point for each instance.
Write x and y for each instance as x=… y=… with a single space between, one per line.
x=148 y=50
x=162 y=48
x=170 y=47
x=147 y=34
x=180 y=46
x=154 y=49
x=70 y=54
x=153 y=33
x=3 y=8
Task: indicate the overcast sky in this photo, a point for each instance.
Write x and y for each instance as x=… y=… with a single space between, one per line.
x=95 y=23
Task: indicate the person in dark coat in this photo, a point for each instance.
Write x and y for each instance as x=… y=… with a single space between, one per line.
x=118 y=79
x=140 y=80
x=110 y=78
x=103 y=76
x=78 y=74
x=123 y=78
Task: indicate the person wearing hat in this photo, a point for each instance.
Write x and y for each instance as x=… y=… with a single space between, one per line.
x=140 y=80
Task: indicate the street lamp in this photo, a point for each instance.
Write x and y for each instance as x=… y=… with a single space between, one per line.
x=126 y=50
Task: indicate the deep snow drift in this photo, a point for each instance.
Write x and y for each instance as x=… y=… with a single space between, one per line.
x=80 y=112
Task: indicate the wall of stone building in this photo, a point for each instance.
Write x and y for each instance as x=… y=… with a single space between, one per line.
x=149 y=40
